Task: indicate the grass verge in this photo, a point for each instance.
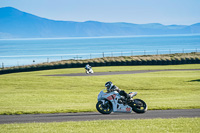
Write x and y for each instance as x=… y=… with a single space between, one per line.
x=189 y=125
x=22 y=93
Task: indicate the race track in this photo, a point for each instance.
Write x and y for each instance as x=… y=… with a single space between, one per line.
x=121 y=72
x=63 y=117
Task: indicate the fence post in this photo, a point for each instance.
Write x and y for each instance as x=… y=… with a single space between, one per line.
x=2 y=65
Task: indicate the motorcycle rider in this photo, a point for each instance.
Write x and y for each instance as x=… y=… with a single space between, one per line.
x=88 y=67
x=110 y=88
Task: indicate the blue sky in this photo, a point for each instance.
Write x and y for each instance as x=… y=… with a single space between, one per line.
x=167 y=12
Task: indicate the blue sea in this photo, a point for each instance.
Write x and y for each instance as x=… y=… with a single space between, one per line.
x=18 y=52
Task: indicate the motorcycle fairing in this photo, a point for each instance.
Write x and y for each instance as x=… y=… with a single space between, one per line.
x=113 y=98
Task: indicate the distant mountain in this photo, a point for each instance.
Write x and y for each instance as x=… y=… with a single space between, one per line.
x=18 y=24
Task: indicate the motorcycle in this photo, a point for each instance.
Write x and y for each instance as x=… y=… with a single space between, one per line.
x=113 y=102
x=88 y=71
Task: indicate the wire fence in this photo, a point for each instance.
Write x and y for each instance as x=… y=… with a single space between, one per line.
x=8 y=61
x=132 y=53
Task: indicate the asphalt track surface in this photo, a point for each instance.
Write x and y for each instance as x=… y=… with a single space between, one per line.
x=121 y=72
x=64 y=117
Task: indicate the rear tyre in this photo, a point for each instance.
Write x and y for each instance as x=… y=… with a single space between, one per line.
x=104 y=108
x=139 y=106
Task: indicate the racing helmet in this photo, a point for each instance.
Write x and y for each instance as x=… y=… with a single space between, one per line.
x=108 y=85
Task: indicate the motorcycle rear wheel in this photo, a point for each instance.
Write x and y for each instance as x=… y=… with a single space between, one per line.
x=139 y=106
x=104 y=108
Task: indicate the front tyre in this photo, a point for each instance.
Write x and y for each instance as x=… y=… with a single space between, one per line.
x=104 y=107
x=86 y=72
x=139 y=106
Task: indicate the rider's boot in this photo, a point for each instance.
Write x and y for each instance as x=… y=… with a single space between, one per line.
x=128 y=98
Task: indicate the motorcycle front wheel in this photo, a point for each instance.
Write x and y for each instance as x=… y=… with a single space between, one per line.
x=139 y=106
x=104 y=108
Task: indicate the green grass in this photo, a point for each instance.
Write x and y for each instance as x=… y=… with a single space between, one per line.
x=189 y=125
x=117 y=68
x=22 y=93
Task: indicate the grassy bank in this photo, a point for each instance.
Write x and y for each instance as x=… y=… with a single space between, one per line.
x=166 y=59
x=189 y=125
x=29 y=92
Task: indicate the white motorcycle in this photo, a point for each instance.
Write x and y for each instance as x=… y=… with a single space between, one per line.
x=113 y=102
x=88 y=71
